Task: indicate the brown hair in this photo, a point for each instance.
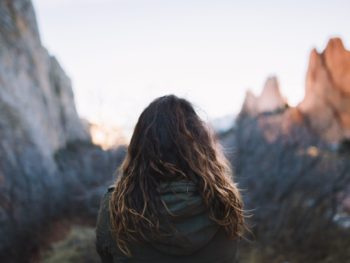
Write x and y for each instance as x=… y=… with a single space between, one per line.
x=171 y=141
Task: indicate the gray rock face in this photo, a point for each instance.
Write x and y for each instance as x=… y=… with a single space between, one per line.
x=33 y=84
x=38 y=119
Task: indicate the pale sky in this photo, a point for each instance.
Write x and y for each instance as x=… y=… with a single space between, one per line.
x=121 y=54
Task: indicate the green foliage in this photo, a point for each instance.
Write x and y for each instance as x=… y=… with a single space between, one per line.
x=77 y=247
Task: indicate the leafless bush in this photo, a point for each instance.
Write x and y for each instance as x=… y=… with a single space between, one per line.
x=33 y=194
x=291 y=186
x=86 y=172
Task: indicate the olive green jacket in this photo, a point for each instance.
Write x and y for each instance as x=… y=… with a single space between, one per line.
x=197 y=238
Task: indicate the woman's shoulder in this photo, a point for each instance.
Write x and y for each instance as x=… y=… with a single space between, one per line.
x=104 y=240
x=103 y=213
x=111 y=188
x=104 y=202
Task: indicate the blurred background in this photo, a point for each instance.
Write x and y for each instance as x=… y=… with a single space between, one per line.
x=207 y=52
x=272 y=78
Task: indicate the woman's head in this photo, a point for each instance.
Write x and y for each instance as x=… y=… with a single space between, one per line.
x=166 y=136
x=170 y=142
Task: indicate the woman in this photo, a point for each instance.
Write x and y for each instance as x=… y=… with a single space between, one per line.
x=174 y=200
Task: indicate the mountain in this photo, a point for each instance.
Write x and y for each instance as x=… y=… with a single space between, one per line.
x=327 y=94
x=325 y=109
x=34 y=89
x=294 y=164
x=269 y=100
x=49 y=168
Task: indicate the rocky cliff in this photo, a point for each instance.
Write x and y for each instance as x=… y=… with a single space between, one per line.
x=293 y=164
x=269 y=100
x=48 y=166
x=33 y=86
x=325 y=109
x=327 y=94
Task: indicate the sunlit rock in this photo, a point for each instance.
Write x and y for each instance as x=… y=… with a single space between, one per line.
x=326 y=104
x=269 y=100
x=106 y=135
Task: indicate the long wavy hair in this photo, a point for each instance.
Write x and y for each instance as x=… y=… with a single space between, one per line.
x=170 y=142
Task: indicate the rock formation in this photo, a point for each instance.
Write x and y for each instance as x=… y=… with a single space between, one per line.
x=327 y=96
x=48 y=165
x=294 y=178
x=33 y=86
x=325 y=109
x=269 y=100
x=106 y=135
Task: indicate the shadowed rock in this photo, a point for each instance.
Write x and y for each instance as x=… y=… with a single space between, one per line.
x=49 y=169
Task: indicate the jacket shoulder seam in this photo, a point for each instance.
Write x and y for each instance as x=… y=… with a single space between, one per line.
x=111 y=188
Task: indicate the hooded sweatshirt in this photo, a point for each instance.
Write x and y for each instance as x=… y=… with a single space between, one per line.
x=193 y=237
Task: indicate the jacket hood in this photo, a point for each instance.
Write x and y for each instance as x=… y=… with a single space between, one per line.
x=184 y=209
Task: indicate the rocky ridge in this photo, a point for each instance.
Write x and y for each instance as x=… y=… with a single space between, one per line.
x=325 y=109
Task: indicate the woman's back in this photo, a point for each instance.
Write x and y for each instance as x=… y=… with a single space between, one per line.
x=196 y=238
x=175 y=199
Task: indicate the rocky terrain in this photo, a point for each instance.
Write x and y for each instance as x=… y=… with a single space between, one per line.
x=325 y=109
x=269 y=100
x=291 y=162
x=327 y=101
x=48 y=166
